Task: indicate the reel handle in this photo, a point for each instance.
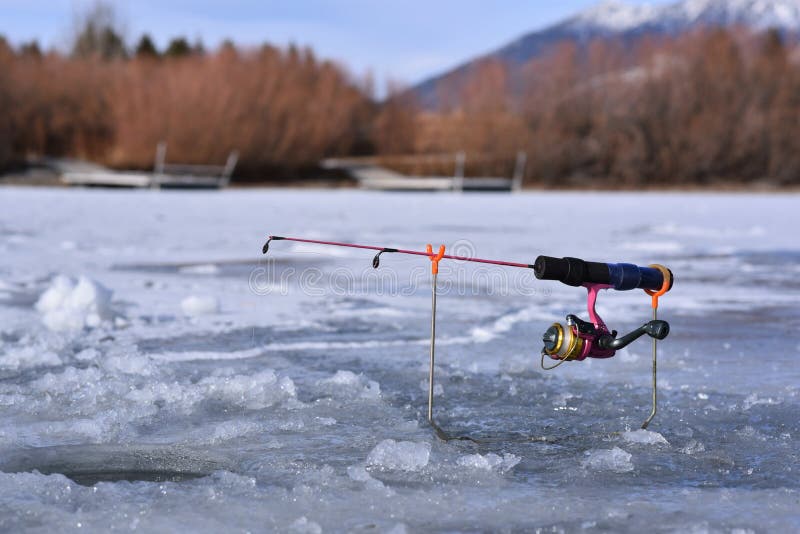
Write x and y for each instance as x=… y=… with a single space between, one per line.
x=621 y=276
x=656 y=329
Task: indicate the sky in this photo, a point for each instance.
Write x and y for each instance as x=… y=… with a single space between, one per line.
x=401 y=40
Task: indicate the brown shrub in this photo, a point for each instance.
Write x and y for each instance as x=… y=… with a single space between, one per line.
x=282 y=110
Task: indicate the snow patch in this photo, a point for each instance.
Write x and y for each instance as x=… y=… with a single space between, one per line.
x=615 y=16
x=73 y=305
x=200 y=305
x=400 y=455
x=207 y=269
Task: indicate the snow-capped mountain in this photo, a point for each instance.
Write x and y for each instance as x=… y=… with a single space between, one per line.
x=617 y=18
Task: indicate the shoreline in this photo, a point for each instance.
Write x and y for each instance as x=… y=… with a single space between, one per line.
x=342 y=185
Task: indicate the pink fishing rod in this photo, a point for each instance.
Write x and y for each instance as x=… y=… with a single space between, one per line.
x=381 y=250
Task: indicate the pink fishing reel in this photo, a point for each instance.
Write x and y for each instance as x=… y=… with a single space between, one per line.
x=578 y=339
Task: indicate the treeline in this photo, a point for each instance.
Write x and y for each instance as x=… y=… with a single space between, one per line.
x=282 y=109
x=707 y=108
x=710 y=107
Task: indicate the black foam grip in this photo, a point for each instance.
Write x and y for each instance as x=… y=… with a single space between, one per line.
x=571 y=271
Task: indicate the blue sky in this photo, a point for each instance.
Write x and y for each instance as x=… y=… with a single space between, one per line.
x=405 y=40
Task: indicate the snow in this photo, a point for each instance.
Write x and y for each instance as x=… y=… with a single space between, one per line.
x=72 y=305
x=618 y=16
x=200 y=305
x=615 y=15
x=304 y=407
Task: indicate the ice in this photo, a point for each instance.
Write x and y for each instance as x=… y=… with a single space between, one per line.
x=304 y=526
x=616 y=460
x=645 y=437
x=253 y=392
x=72 y=305
x=693 y=447
x=438 y=389
x=200 y=305
x=293 y=393
x=490 y=461
x=207 y=269
x=399 y=455
x=28 y=356
x=347 y=384
x=754 y=400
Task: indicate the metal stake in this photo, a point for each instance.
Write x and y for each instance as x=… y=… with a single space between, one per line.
x=655 y=394
x=433 y=349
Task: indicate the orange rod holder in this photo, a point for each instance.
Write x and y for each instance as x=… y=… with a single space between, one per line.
x=654 y=303
x=664 y=287
x=435 y=258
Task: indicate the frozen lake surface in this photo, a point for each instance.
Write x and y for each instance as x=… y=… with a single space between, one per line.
x=157 y=373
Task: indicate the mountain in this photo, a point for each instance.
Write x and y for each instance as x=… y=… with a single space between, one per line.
x=614 y=18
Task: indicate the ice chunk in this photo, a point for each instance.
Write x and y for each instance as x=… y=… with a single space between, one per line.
x=693 y=447
x=347 y=384
x=304 y=526
x=616 y=460
x=254 y=392
x=71 y=305
x=489 y=462
x=87 y=355
x=400 y=455
x=754 y=400
x=227 y=430
x=646 y=437
x=28 y=356
x=360 y=474
x=200 y=305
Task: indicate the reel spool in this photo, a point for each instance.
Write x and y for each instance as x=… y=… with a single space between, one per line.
x=562 y=342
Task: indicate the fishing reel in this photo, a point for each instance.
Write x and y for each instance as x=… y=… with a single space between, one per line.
x=576 y=339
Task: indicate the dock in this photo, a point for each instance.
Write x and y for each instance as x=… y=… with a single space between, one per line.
x=372 y=175
x=164 y=176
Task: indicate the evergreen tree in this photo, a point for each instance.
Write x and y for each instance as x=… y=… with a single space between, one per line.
x=178 y=47
x=146 y=48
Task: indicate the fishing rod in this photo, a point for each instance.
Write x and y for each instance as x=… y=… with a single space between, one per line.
x=575 y=340
x=376 y=260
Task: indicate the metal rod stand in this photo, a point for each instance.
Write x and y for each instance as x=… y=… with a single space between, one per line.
x=655 y=390
x=433 y=349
